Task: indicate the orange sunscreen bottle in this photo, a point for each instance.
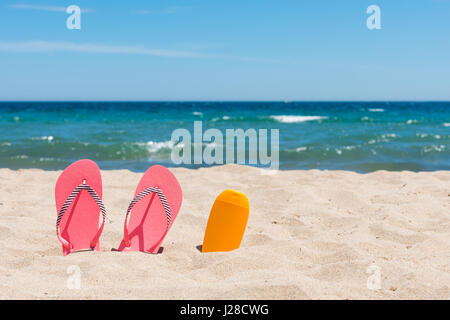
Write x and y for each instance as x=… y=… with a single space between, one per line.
x=227 y=222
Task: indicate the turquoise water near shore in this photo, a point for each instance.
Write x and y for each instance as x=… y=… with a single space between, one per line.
x=356 y=136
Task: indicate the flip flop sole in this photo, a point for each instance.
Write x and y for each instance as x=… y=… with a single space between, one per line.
x=147 y=224
x=80 y=223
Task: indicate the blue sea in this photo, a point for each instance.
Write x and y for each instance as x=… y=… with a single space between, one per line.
x=356 y=136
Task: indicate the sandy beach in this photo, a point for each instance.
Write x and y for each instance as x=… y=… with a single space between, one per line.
x=311 y=235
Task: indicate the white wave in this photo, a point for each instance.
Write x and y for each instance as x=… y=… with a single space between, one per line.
x=223 y=118
x=296 y=119
x=45 y=138
x=421 y=135
x=23 y=156
x=387 y=137
x=437 y=148
x=153 y=146
x=376 y=110
x=411 y=121
x=197 y=113
x=447 y=124
x=348 y=148
x=6 y=144
x=300 y=149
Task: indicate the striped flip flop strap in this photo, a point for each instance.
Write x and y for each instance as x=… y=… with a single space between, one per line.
x=139 y=197
x=67 y=204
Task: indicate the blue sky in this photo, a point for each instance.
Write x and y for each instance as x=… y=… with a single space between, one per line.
x=225 y=50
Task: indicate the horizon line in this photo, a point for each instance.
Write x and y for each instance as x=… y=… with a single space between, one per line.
x=226 y=100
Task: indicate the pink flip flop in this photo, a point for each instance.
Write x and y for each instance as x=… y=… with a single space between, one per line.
x=78 y=194
x=155 y=206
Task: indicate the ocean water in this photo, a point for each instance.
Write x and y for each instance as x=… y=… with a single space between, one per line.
x=357 y=136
